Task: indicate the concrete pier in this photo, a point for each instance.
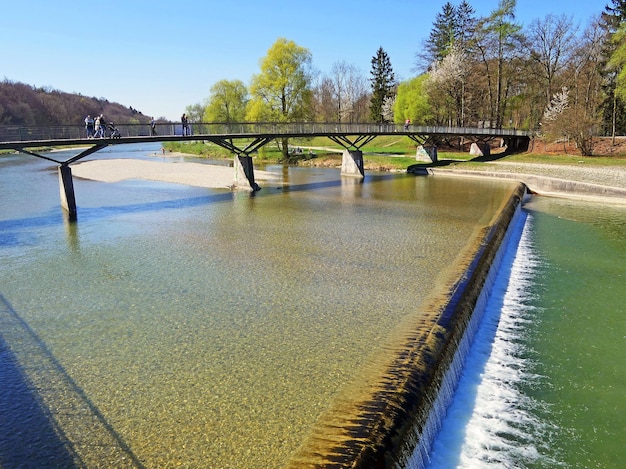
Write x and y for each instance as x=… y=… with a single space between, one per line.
x=352 y=163
x=244 y=173
x=66 y=187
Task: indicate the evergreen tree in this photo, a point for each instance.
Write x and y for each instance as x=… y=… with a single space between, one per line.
x=383 y=82
x=614 y=15
x=442 y=33
x=613 y=108
x=464 y=27
x=453 y=28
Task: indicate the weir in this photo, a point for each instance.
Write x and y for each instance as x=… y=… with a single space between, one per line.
x=396 y=422
x=419 y=458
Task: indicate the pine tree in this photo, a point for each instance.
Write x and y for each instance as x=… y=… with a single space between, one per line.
x=383 y=82
x=442 y=34
x=613 y=109
x=464 y=25
x=453 y=29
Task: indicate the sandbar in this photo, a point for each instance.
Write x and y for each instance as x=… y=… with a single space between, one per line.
x=191 y=174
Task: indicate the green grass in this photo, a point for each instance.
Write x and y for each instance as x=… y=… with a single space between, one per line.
x=384 y=153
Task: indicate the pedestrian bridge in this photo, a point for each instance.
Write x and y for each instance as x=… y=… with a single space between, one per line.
x=242 y=139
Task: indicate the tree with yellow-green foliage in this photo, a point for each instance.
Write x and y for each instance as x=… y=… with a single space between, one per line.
x=412 y=102
x=227 y=102
x=617 y=61
x=282 y=92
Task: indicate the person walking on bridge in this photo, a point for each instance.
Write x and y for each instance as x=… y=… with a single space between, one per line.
x=185 y=123
x=153 y=127
x=89 y=123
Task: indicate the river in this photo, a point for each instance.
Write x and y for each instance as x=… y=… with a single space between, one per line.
x=175 y=325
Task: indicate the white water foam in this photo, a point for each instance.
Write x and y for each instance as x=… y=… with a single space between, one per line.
x=490 y=422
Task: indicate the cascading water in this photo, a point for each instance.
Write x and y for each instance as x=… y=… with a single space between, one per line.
x=463 y=375
x=489 y=422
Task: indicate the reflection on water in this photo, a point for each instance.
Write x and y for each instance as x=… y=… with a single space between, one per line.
x=201 y=327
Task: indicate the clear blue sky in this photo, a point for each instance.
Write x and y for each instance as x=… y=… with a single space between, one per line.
x=161 y=56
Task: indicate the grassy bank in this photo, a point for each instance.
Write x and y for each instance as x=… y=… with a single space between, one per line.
x=385 y=153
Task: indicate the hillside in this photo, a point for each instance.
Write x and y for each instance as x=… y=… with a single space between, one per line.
x=22 y=104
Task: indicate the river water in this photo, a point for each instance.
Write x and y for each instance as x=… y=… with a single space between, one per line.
x=188 y=327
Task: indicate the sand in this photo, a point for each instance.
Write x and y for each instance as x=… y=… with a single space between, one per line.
x=191 y=174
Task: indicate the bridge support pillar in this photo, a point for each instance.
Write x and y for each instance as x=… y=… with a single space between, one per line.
x=244 y=173
x=352 y=163
x=426 y=153
x=66 y=186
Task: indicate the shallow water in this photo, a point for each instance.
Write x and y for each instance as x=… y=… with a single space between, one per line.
x=180 y=326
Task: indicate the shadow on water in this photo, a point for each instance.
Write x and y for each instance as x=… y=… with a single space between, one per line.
x=8 y=228
x=100 y=213
x=29 y=434
x=32 y=434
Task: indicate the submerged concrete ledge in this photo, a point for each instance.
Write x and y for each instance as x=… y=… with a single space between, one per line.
x=380 y=424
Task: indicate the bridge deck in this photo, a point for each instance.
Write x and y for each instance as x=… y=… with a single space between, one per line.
x=18 y=137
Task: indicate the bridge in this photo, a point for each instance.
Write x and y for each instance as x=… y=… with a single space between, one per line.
x=241 y=139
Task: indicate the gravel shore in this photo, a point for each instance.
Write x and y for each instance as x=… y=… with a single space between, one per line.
x=584 y=181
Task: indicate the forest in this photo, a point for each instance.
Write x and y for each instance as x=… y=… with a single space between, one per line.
x=22 y=104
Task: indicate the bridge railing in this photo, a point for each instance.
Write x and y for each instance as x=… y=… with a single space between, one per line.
x=21 y=133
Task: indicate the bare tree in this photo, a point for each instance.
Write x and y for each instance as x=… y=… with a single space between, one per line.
x=323 y=105
x=338 y=95
x=550 y=44
x=579 y=119
x=498 y=45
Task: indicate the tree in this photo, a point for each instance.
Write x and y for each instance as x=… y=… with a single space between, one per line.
x=282 y=90
x=382 y=84
x=337 y=96
x=388 y=108
x=442 y=34
x=550 y=43
x=453 y=28
x=464 y=26
x=498 y=43
x=576 y=116
x=617 y=61
x=613 y=107
x=195 y=112
x=348 y=85
x=412 y=102
x=324 y=107
x=447 y=82
x=227 y=102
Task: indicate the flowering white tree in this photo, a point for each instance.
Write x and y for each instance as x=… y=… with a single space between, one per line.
x=446 y=82
x=388 y=108
x=558 y=104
